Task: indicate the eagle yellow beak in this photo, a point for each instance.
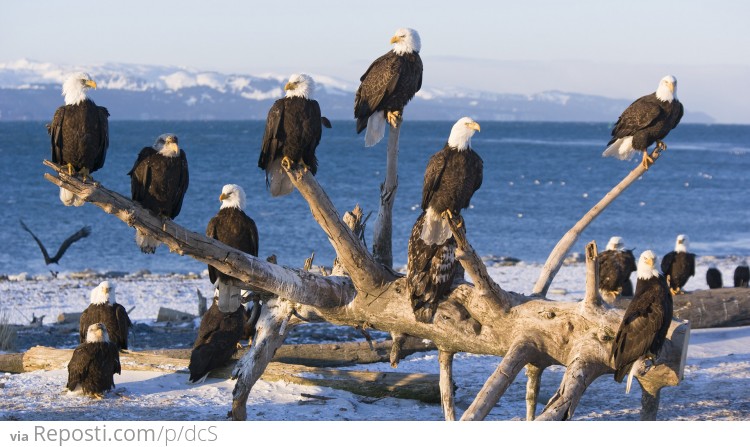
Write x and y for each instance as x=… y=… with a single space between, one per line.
x=395 y=39
x=290 y=86
x=649 y=262
x=91 y=84
x=223 y=196
x=473 y=125
x=671 y=86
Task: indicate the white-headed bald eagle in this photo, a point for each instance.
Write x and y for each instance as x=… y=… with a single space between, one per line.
x=616 y=263
x=216 y=343
x=105 y=309
x=647 y=120
x=233 y=227
x=94 y=363
x=678 y=265
x=293 y=129
x=452 y=176
x=158 y=181
x=388 y=85
x=644 y=326
x=79 y=133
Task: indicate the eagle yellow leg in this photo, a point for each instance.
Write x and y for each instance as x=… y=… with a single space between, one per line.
x=70 y=169
x=286 y=163
x=393 y=118
x=647 y=160
x=98 y=396
x=239 y=345
x=660 y=144
x=304 y=165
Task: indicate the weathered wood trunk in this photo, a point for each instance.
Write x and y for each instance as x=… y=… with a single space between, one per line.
x=479 y=318
x=422 y=387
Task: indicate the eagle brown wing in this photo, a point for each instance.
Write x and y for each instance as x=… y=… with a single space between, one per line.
x=377 y=82
x=637 y=116
x=269 y=149
x=140 y=174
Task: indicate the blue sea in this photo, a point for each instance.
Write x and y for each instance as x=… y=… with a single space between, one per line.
x=539 y=179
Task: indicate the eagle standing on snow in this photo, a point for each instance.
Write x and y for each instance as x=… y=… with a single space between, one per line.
x=104 y=309
x=616 y=263
x=293 y=130
x=235 y=228
x=647 y=120
x=158 y=181
x=79 y=133
x=388 y=85
x=644 y=326
x=678 y=265
x=94 y=363
x=452 y=176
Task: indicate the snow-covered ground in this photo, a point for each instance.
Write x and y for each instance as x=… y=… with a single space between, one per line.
x=716 y=385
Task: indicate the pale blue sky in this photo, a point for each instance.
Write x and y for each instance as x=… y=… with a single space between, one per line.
x=612 y=48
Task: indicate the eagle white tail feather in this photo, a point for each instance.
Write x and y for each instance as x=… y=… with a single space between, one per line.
x=435 y=230
x=630 y=378
x=278 y=180
x=147 y=243
x=229 y=296
x=70 y=199
x=375 y=129
x=622 y=148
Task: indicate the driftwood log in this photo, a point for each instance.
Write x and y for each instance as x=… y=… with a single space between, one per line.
x=422 y=387
x=478 y=317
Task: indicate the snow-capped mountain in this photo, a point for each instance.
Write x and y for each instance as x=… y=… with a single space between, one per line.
x=31 y=90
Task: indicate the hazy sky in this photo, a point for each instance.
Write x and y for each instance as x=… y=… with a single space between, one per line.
x=616 y=49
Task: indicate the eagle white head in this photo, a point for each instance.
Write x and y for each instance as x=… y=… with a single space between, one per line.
x=167 y=146
x=681 y=244
x=300 y=85
x=75 y=86
x=615 y=243
x=647 y=265
x=103 y=293
x=461 y=133
x=406 y=40
x=232 y=196
x=97 y=333
x=667 y=90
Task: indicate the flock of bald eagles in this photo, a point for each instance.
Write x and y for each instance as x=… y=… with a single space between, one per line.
x=159 y=179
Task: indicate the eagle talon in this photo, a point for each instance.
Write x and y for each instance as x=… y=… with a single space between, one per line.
x=647 y=160
x=286 y=163
x=70 y=169
x=394 y=118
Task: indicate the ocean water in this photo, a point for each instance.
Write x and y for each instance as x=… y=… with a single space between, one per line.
x=539 y=179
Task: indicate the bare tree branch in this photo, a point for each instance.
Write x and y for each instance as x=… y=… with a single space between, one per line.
x=556 y=257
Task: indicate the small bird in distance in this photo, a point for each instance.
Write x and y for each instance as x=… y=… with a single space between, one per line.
x=80 y=234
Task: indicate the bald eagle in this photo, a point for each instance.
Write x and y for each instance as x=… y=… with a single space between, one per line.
x=104 y=309
x=216 y=342
x=94 y=363
x=452 y=176
x=235 y=228
x=79 y=133
x=678 y=265
x=644 y=326
x=616 y=263
x=388 y=85
x=647 y=120
x=293 y=130
x=713 y=277
x=742 y=275
x=158 y=181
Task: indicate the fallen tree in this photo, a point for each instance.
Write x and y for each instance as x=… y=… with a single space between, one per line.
x=422 y=387
x=478 y=317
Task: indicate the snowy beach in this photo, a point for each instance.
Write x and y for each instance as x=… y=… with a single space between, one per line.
x=714 y=387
